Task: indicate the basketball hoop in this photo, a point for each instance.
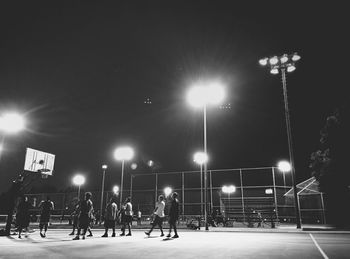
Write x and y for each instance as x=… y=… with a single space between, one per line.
x=44 y=176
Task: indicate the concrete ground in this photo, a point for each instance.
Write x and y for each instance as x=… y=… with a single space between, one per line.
x=217 y=243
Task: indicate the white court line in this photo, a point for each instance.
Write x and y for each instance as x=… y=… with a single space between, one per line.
x=318 y=247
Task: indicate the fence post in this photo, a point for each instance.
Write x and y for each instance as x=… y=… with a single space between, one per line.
x=183 y=195
x=274 y=192
x=242 y=194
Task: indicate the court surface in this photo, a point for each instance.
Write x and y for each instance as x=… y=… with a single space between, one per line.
x=191 y=244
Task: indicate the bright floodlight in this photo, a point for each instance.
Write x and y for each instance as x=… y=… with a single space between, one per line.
x=167 y=191
x=263 y=61
x=284 y=59
x=295 y=57
x=150 y=163
x=284 y=166
x=273 y=60
x=11 y=123
x=200 y=158
x=268 y=191
x=79 y=179
x=133 y=166
x=274 y=71
x=123 y=153
x=290 y=68
x=205 y=93
x=228 y=189
x=104 y=167
x=115 y=189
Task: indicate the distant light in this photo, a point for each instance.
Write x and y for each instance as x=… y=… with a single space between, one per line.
x=228 y=189
x=78 y=179
x=274 y=71
x=133 y=166
x=273 y=60
x=202 y=94
x=290 y=68
x=263 y=61
x=115 y=189
x=284 y=166
x=284 y=59
x=150 y=163
x=124 y=153
x=200 y=158
x=268 y=191
x=104 y=167
x=11 y=123
x=148 y=101
x=295 y=57
x=167 y=191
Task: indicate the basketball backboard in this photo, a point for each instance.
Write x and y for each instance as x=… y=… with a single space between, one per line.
x=39 y=161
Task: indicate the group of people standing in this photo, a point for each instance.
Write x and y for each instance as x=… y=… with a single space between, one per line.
x=23 y=215
x=83 y=216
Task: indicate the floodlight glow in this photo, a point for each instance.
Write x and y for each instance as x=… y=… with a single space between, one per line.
x=79 y=179
x=263 y=61
x=133 y=166
x=274 y=71
x=295 y=57
x=228 y=189
x=150 y=163
x=284 y=59
x=167 y=191
x=115 y=189
x=11 y=123
x=200 y=158
x=123 y=153
x=290 y=68
x=284 y=166
x=205 y=93
x=273 y=60
x=104 y=167
x=268 y=191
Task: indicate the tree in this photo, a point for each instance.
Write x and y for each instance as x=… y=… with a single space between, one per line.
x=329 y=166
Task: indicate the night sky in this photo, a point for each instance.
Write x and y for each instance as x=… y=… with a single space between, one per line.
x=81 y=72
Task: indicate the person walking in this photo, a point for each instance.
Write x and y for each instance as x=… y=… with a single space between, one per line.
x=173 y=214
x=127 y=207
x=110 y=217
x=159 y=216
x=22 y=215
x=85 y=210
x=46 y=208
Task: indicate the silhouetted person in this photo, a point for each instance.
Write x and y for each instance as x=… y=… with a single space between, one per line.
x=110 y=217
x=159 y=216
x=85 y=210
x=75 y=219
x=46 y=208
x=22 y=215
x=127 y=207
x=173 y=215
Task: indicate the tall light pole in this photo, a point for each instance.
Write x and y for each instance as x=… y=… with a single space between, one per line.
x=104 y=168
x=283 y=64
x=10 y=123
x=123 y=154
x=200 y=158
x=79 y=180
x=201 y=95
x=228 y=189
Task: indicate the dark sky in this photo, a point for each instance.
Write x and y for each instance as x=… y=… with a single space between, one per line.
x=81 y=71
